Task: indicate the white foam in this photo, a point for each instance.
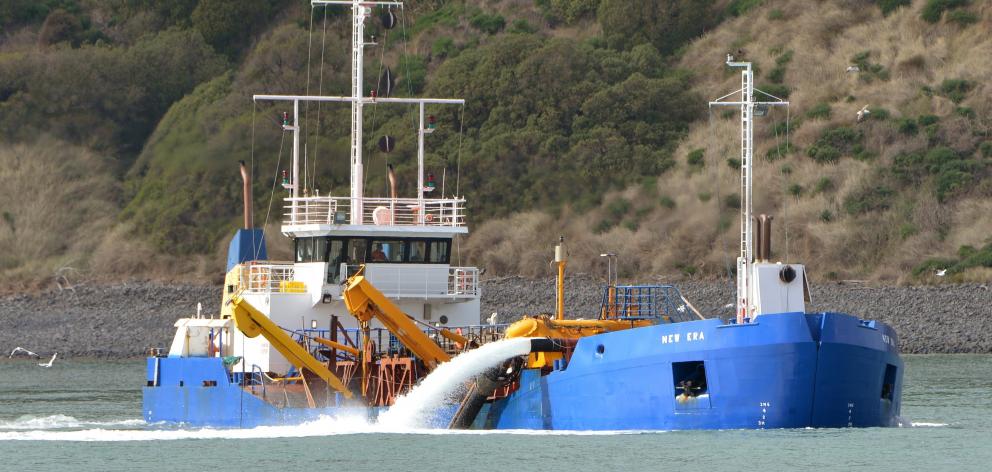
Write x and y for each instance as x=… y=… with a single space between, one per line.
x=322 y=427
x=28 y=422
x=927 y=425
x=414 y=410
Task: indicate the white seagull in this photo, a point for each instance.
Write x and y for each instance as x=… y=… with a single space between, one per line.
x=21 y=349
x=492 y=318
x=50 y=361
x=863 y=113
x=941 y=272
x=853 y=69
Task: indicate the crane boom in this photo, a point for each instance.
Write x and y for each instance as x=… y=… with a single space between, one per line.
x=365 y=302
x=252 y=322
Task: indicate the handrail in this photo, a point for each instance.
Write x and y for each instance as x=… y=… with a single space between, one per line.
x=448 y=212
x=261 y=379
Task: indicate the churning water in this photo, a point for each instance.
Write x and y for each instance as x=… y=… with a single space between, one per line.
x=85 y=415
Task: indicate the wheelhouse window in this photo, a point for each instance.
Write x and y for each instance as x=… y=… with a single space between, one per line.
x=311 y=249
x=418 y=251
x=439 y=251
x=357 y=251
x=335 y=256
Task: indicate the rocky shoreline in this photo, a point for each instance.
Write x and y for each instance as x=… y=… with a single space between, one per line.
x=120 y=321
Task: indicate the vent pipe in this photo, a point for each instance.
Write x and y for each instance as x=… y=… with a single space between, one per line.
x=246 y=195
x=759 y=236
x=766 y=240
x=392 y=182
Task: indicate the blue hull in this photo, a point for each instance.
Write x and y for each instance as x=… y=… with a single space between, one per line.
x=197 y=391
x=783 y=371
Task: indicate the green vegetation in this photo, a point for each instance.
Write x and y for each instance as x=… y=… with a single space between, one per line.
x=962 y=17
x=968 y=257
x=872 y=197
x=488 y=23
x=820 y=111
x=869 y=71
x=889 y=6
x=933 y=10
x=837 y=142
x=695 y=158
x=955 y=89
x=569 y=105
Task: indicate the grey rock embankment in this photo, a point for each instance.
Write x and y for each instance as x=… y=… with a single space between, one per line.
x=100 y=321
x=124 y=320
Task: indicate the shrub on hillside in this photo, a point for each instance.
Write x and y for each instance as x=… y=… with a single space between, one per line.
x=665 y=24
x=228 y=24
x=60 y=26
x=819 y=111
x=488 y=23
x=962 y=17
x=888 y=6
x=837 y=142
x=955 y=89
x=870 y=198
x=934 y=9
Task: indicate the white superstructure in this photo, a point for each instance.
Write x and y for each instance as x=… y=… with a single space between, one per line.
x=405 y=243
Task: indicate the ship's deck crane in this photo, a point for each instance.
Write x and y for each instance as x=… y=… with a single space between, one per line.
x=365 y=302
x=252 y=322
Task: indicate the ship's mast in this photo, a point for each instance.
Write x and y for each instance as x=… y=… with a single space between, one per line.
x=747 y=105
x=360 y=10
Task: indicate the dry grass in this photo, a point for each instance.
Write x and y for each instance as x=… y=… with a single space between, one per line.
x=59 y=201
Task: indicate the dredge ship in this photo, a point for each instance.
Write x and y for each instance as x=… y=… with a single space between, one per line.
x=371 y=305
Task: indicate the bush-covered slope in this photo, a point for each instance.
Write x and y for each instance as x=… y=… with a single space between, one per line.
x=585 y=118
x=876 y=199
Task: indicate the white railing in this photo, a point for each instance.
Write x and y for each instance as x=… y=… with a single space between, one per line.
x=415 y=281
x=270 y=277
x=376 y=211
x=463 y=281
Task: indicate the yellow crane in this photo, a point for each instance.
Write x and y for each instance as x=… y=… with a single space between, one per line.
x=365 y=302
x=252 y=322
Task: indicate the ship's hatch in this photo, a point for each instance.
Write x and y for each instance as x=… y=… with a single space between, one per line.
x=689 y=385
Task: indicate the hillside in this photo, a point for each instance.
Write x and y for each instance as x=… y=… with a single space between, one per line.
x=584 y=118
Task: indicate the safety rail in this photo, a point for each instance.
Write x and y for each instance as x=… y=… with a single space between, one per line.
x=442 y=212
x=385 y=344
x=415 y=280
x=638 y=302
x=269 y=277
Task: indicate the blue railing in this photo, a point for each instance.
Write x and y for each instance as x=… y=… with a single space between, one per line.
x=644 y=302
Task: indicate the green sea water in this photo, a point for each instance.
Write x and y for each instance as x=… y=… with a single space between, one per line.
x=85 y=415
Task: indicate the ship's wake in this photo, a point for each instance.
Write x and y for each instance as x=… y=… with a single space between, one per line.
x=137 y=430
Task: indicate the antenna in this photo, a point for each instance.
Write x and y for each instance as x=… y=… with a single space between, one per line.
x=360 y=11
x=748 y=106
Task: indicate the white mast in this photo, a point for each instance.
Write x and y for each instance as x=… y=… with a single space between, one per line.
x=360 y=10
x=745 y=289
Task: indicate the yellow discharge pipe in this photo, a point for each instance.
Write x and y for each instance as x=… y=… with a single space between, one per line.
x=545 y=327
x=365 y=302
x=252 y=322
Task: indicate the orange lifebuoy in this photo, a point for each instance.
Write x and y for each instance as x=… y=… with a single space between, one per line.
x=428 y=217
